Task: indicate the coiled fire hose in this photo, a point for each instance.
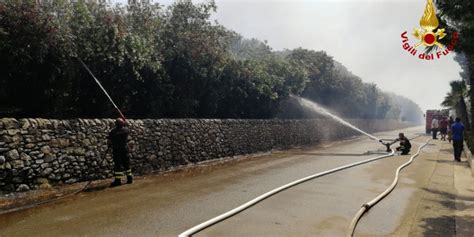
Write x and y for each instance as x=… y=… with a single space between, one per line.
x=365 y=207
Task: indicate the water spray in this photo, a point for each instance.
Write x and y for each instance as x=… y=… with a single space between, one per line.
x=319 y=109
x=102 y=88
x=97 y=80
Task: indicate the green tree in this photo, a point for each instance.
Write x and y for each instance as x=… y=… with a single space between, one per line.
x=30 y=53
x=242 y=48
x=455 y=99
x=160 y=62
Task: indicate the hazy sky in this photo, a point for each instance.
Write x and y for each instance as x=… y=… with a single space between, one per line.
x=362 y=35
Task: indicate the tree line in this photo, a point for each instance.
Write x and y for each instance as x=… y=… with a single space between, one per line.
x=164 y=62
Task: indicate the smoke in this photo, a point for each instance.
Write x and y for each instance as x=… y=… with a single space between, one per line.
x=363 y=35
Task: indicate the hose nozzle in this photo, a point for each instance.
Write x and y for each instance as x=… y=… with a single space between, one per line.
x=388 y=144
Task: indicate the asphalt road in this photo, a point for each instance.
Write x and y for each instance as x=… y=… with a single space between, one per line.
x=167 y=205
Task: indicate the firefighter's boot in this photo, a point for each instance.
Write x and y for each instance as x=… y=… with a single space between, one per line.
x=117 y=182
x=129 y=176
x=118 y=179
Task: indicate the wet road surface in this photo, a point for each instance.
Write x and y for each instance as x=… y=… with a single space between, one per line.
x=167 y=205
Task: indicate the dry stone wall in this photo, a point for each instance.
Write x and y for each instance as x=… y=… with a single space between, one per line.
x=43 y=152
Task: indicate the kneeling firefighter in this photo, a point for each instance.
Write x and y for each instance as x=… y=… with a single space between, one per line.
x=405 y=144
x=118 y=138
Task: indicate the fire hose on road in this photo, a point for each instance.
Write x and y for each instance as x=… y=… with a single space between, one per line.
x=382 y=195
x=266 y=195
x=270 y=193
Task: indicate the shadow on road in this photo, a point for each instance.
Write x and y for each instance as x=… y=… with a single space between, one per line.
x=448 y=162
x=450 y=196
x=443 y=226
x=446 y=225
x=94 y=189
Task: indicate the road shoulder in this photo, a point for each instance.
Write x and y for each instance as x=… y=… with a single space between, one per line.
x=464 y=184
x=446 y=207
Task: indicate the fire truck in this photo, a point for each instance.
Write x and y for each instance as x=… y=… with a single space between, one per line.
x=431 y=113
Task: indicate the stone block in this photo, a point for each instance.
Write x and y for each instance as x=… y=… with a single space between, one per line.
x=17 y=164
x=23 y=188
x=46 y=150
x=12 y=155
